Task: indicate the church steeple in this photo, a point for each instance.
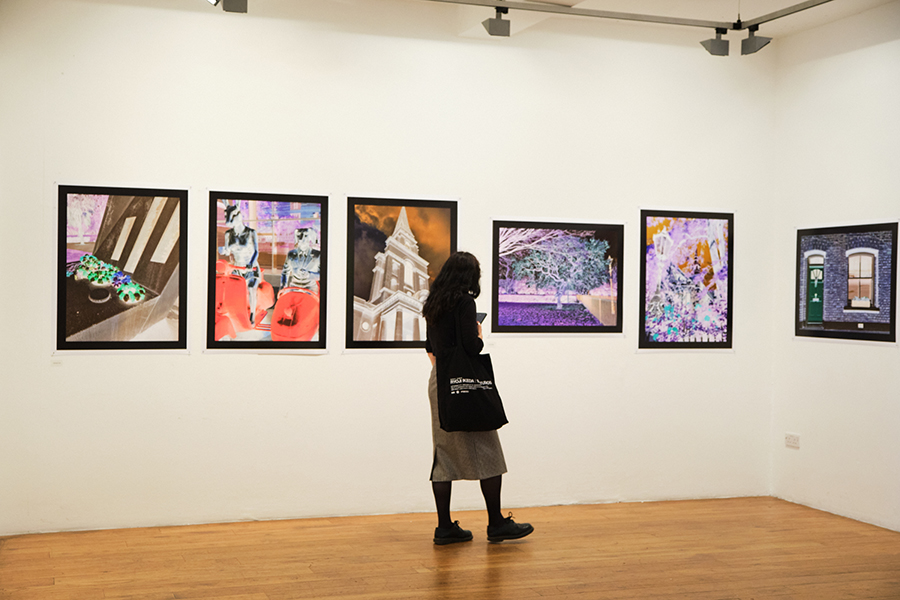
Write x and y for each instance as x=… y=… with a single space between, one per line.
x=399 y=288
x=402 y=221
x=403 y=233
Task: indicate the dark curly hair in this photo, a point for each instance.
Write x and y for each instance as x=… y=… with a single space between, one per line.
x=460 y=276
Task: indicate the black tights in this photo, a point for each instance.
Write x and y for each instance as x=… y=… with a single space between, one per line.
x=490 y=489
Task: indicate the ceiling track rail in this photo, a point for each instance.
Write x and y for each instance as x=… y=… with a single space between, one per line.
x=621 y=16
x=780 y=13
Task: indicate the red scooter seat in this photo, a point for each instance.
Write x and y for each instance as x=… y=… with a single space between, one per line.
x=296 y=315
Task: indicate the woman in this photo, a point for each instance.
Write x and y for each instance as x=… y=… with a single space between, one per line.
x=462 y=454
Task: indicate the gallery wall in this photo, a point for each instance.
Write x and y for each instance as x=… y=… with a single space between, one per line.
x=837 y=92
x=568 y=121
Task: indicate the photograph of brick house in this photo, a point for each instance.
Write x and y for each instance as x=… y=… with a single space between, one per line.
x=846 y=282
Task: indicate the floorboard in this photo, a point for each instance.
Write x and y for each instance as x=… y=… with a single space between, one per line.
x=734 y=549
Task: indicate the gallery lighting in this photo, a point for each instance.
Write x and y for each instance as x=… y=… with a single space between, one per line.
x=753 y=43
x=497 y=26
x=716 y=46
x=235 y=6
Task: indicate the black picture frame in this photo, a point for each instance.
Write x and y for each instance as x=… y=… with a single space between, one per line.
x=545 y=253
x=686 y=308
x=288 y=290
x=840 y=261
x=121 y=268
x=420 y=240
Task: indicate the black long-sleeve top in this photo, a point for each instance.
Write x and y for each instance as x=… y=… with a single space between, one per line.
x=440 y=336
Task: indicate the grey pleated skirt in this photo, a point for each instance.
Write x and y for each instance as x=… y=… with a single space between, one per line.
x=462 y=454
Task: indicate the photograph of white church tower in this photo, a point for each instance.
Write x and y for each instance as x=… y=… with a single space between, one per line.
x=397 y=250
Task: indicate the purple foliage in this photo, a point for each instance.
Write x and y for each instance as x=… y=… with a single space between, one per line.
x=521 y=314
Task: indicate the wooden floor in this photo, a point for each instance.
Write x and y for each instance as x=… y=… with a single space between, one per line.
x=749 y=548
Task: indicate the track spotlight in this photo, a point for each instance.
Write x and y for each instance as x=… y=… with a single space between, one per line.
x=236 y=6
x=753 y=43
x=497 y=26
x=716 y=46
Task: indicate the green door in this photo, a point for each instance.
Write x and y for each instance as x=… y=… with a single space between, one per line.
x=815 y=293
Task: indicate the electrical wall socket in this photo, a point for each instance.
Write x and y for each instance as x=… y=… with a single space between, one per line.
x=792 y=440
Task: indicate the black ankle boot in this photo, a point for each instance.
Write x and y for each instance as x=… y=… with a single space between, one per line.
x=451 y=535
x=508 y=530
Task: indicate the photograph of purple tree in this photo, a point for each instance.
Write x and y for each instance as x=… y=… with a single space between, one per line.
x=686 y=279
x=557 y=277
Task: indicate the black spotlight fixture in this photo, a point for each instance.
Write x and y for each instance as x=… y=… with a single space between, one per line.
x=753 y=43
x=497 y=26
x=716 y=46
x=235 y=6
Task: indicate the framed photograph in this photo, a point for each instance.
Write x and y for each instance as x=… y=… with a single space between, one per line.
x=846 y=282
x=557 y=277
x=267 y=271
x=686 y=279
x=395 y=249
x=121 y=269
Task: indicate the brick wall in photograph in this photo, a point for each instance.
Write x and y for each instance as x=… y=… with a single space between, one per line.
x=835 y=247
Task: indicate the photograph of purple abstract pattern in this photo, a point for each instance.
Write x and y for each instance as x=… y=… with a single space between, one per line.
x=557 y=277
x=686 y=272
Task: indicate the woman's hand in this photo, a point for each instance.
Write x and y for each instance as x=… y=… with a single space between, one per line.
x=479 y=330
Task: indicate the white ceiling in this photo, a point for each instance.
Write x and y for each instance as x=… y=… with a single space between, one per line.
x=708 y=10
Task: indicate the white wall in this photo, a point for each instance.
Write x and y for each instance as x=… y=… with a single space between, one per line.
x=838 y=93
x=571 y=120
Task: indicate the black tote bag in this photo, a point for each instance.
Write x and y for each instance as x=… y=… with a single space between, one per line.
x=468 y=399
